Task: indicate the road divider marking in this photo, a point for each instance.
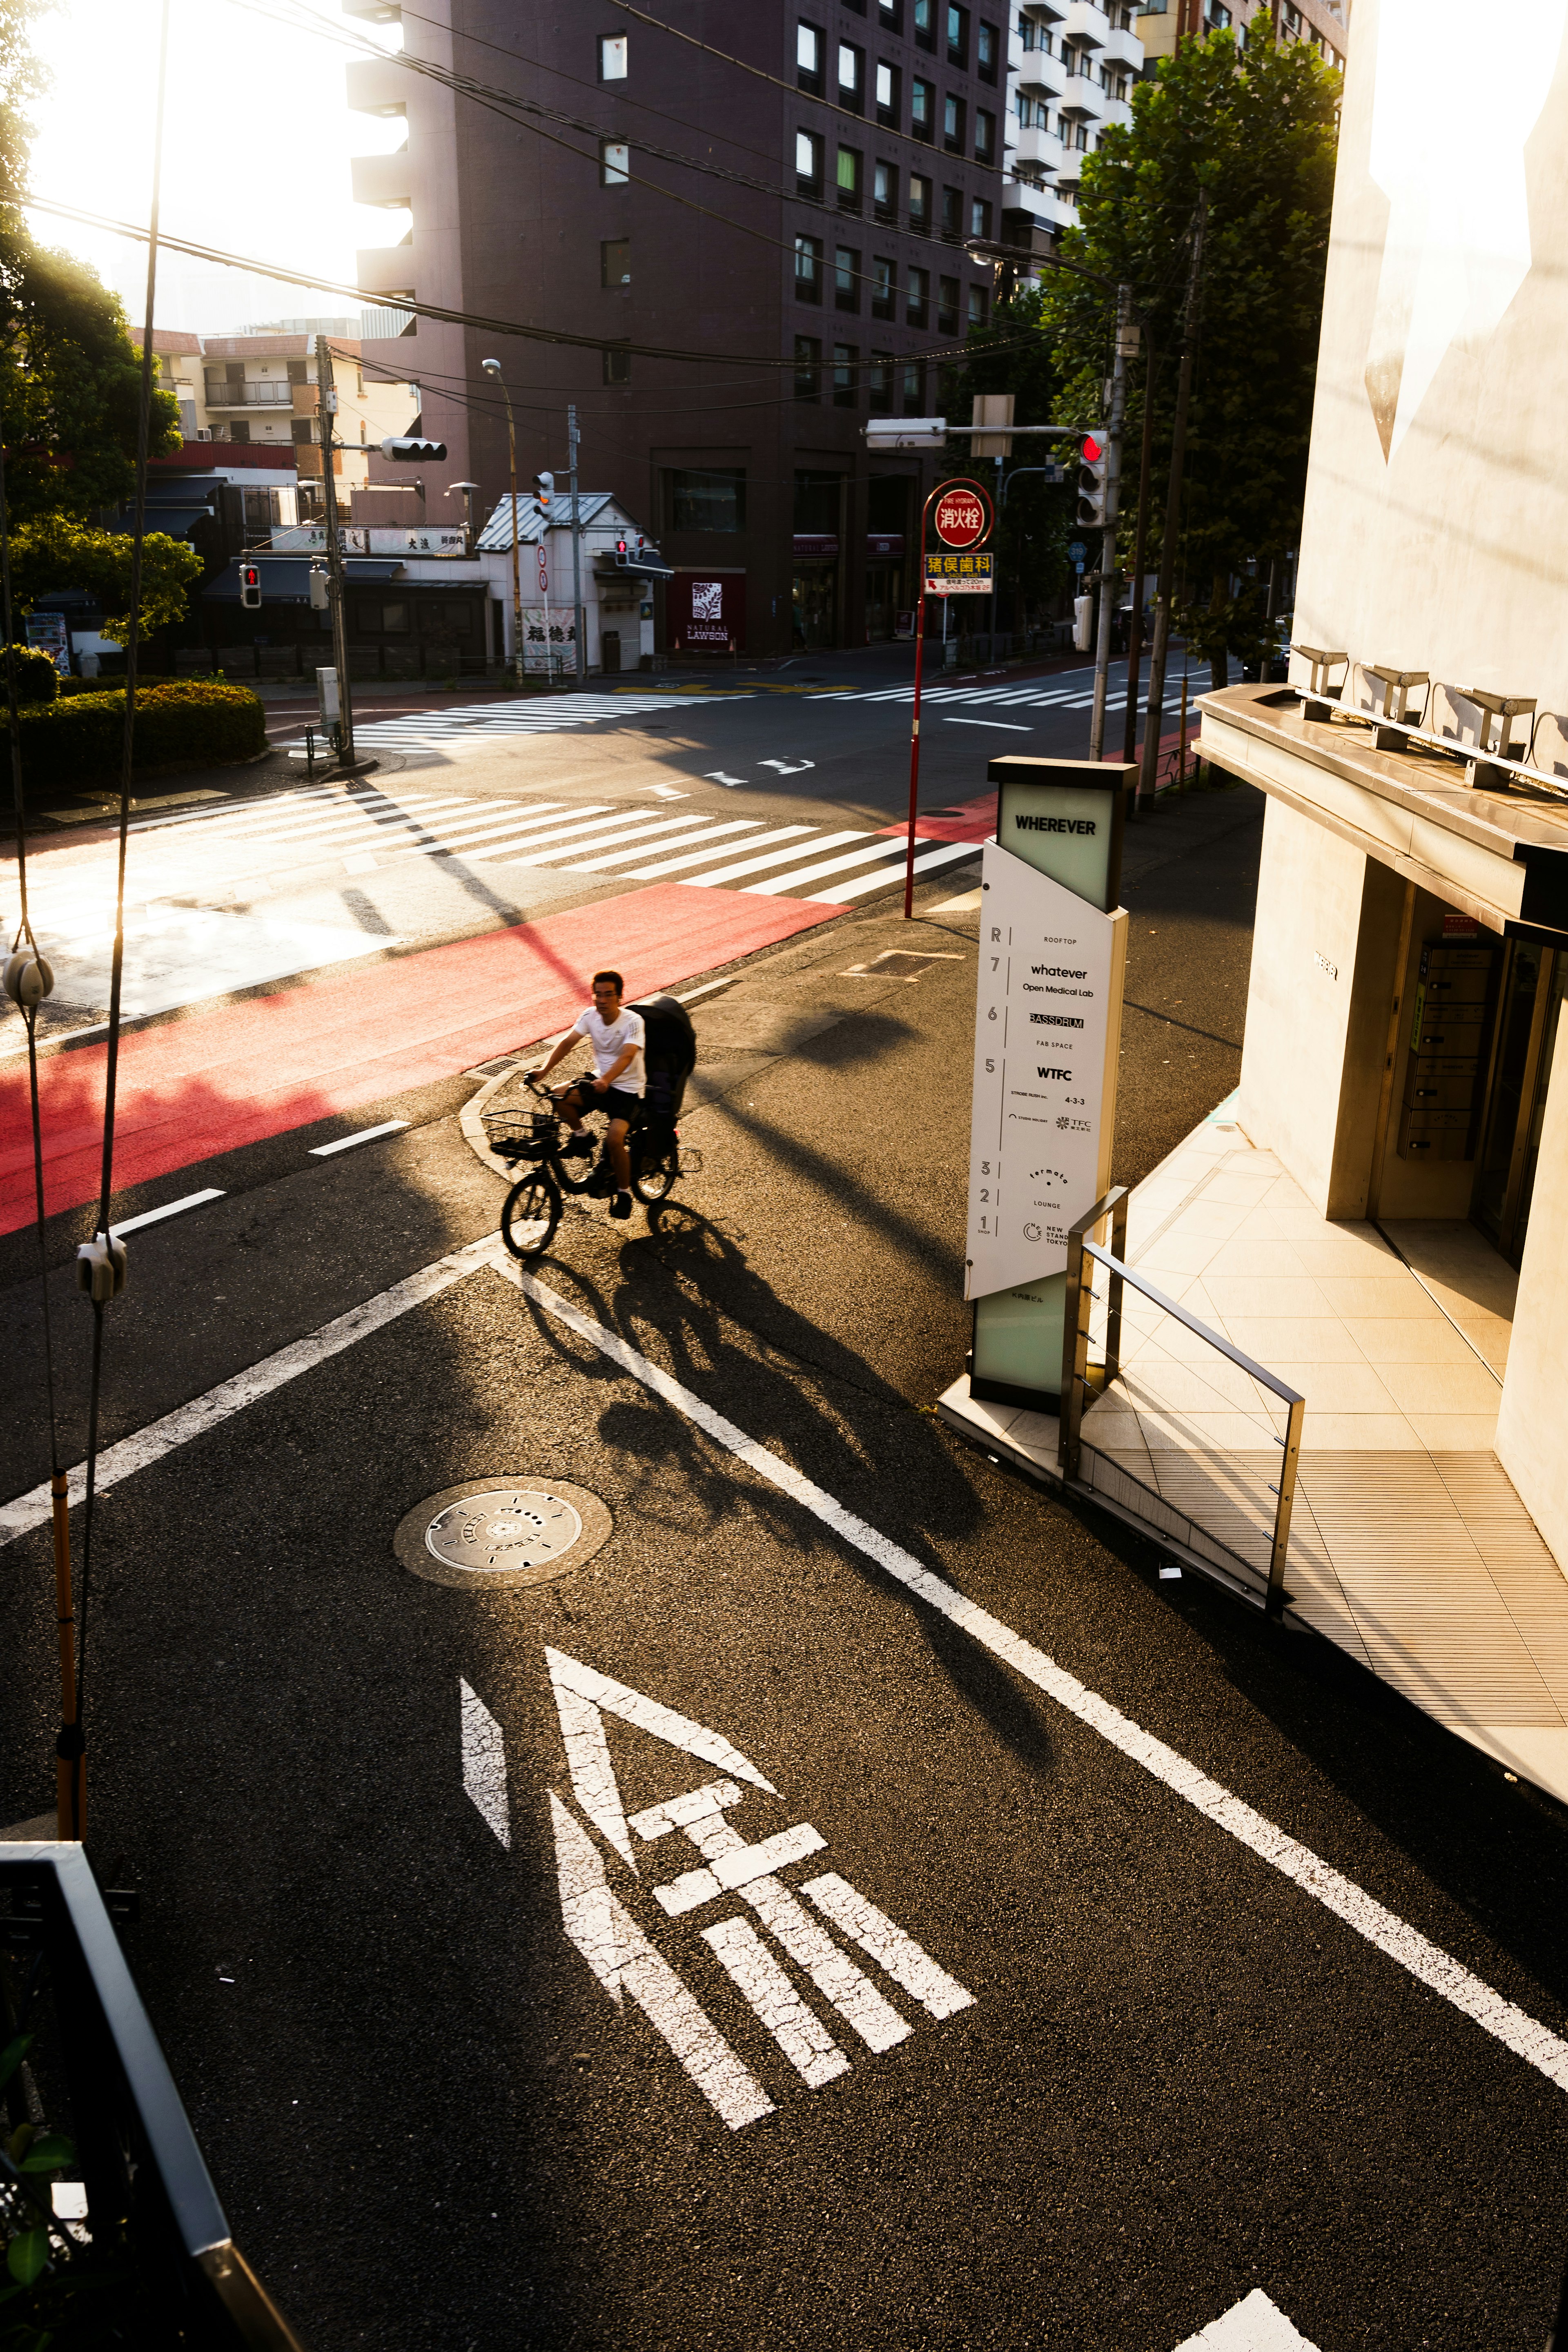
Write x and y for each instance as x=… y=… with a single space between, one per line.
x=365 y=1135
x=1009 y=726
x=170 y=1209
x=1361 y=1912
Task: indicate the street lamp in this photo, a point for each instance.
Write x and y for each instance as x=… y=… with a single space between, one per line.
x=468 y=489
x=493 y=367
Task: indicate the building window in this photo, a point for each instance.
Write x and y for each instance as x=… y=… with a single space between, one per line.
x=808 y=269
x=705 y=498
x=612 y=57
x=891 y=12
x=979 y=306
x=987 y=48
x=297 y=372
x=951 y=215
x=807 y=164
x=844 y=394
x=879 y=383
x=919 y=203
x=807 y=356
x=885 y=191
x=888 y=94
x=923 y=108
x=914 y=391
x=953 y=125
x=980 y=217
x=617 y=363
x=985 y=135
x=846 y=279
x=916 y=292
x=303 y=431
x=884 y=288
x=851 y=75
x=958 y=36
x=850 y=170
x=809 y=43
x=947 y=306
x=925 y=24
x=614 y=163
x=615 y=261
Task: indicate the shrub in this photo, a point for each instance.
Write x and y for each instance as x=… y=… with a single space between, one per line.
x=192 y=722
x=38 y=679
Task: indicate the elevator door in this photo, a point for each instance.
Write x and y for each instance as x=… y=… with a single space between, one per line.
x=1528 y=1019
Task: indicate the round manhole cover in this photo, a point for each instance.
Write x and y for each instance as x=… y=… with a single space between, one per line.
x=495 y=1531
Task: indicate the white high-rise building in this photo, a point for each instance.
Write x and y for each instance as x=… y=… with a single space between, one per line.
x=1072 y=66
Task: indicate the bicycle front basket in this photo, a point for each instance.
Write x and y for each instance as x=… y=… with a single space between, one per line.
x=519 y=1134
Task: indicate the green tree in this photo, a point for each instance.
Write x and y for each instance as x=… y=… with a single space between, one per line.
x=1254 y=125
x=53 y=551
x=1013 y=353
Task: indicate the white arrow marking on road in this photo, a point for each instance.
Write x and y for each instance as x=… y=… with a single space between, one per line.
x=1254 y=2326
x=787 y=767
x=583 y=1697
x=799 y=2032
x=625 y=1962
x=897 y=1955
x=484 y=1762
x=716 y=776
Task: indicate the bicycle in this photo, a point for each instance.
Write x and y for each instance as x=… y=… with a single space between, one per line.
x=532 y=1210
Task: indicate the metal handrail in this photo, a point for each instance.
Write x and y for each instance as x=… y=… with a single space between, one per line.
x=1075 y=1368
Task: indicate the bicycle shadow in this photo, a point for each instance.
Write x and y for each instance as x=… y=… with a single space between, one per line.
x=686 y=1298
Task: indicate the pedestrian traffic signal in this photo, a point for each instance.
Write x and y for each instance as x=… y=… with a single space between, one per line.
x=544 y=491
x=405 y=450
x=250 y=586
x=1094 y=458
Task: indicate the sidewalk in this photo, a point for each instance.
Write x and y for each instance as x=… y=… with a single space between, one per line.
x=1409 y=1547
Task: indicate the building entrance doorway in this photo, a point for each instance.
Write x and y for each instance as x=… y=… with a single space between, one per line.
x=884 y=600
x=1530 y=1007
x=815 y=606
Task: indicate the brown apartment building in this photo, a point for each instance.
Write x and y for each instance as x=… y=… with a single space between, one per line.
x=817 y=261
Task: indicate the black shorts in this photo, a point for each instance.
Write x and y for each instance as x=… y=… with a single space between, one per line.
x=616 y=1102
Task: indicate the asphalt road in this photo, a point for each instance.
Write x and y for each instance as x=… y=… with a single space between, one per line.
x=378 y=1961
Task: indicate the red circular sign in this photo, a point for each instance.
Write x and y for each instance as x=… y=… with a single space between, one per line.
x=960 y=517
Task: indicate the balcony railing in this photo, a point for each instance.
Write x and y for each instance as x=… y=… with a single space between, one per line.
x=251 y=395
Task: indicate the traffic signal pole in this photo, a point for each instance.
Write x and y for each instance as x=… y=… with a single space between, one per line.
x=1109 y=577
x=1148 y=777
x=327 y=404
x=571 y=440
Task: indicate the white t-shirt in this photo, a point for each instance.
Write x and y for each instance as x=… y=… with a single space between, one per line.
x=609 y=1040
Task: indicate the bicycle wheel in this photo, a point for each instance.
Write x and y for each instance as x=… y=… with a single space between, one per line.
x=530 y=1215
x=653 y=1179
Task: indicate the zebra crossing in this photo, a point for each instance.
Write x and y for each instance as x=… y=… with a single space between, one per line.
x=482 y=722
x=287 y=840
x=1073 y=692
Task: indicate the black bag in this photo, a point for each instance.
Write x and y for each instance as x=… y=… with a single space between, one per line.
x=670 y=1056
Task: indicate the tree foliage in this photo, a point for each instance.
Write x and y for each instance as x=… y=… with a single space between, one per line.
x=54 y=551
x=1256 y=126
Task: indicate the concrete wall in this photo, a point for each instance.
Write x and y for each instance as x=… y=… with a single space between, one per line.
x=1530 y=1427
x=1435 y=534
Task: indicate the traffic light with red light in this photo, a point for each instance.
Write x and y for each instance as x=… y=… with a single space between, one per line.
x=1094 y=459
x=250 y=586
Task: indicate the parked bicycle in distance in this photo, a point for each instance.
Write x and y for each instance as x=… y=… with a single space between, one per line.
x=533 y=1139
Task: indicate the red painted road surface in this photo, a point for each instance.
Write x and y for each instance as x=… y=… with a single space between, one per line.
x=239 y=1073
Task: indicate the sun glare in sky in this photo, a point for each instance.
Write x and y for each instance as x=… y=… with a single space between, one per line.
x=256 y=142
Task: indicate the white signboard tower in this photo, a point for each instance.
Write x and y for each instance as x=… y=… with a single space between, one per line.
x=1048 y=1032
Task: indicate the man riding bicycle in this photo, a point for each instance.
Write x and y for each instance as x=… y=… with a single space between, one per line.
x=615 y=1034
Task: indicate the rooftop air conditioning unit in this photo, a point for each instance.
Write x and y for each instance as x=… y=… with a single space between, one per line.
x=203 y=432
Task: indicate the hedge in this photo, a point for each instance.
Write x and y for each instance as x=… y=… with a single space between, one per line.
x=191 y=722
x=38 y=679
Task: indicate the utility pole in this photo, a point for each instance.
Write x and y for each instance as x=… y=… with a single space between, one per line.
x=1149 y=773
x=1140 y=558
x=1108 y=572
x=572 y=439
x=327 y=407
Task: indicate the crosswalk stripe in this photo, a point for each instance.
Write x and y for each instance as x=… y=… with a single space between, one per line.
x=780 y=883
x=501 y=833
x=758 y=865
x=674 y=865
x=712 y=833
x=947 y=855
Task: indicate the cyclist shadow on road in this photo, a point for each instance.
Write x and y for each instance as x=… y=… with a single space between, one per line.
x=688 y=1299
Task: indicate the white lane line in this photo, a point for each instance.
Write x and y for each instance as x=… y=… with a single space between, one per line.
x=1361 y=1912
x=484 y=1762
x=170 y=1209
x=897 y=1955
x=757 y=1975
x=365 y=1135
x=1009 y=726
x=625 y=1962
x=1255 y=2325
x=151 y=1445
x=837 y=893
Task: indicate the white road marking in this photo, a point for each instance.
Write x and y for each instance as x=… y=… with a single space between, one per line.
x=160 y=1438
x=716 y=776
x=724 y=834
x=852 y=1995
x=964 y=904
x=365 y=1135
x=788 y=767
x=773 y=856
x=896 y=1954
x=1254 y=2326
x=1011 y=725
x=484 y=1762
x=883 y=846
x=170 y=1209
x=625 y=1962
x=1361 y=1912
x=667 y=793
x=948 y=855
x=799 y=2032
x=678 y=828
x=657 y=1821
x=737 y=1867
